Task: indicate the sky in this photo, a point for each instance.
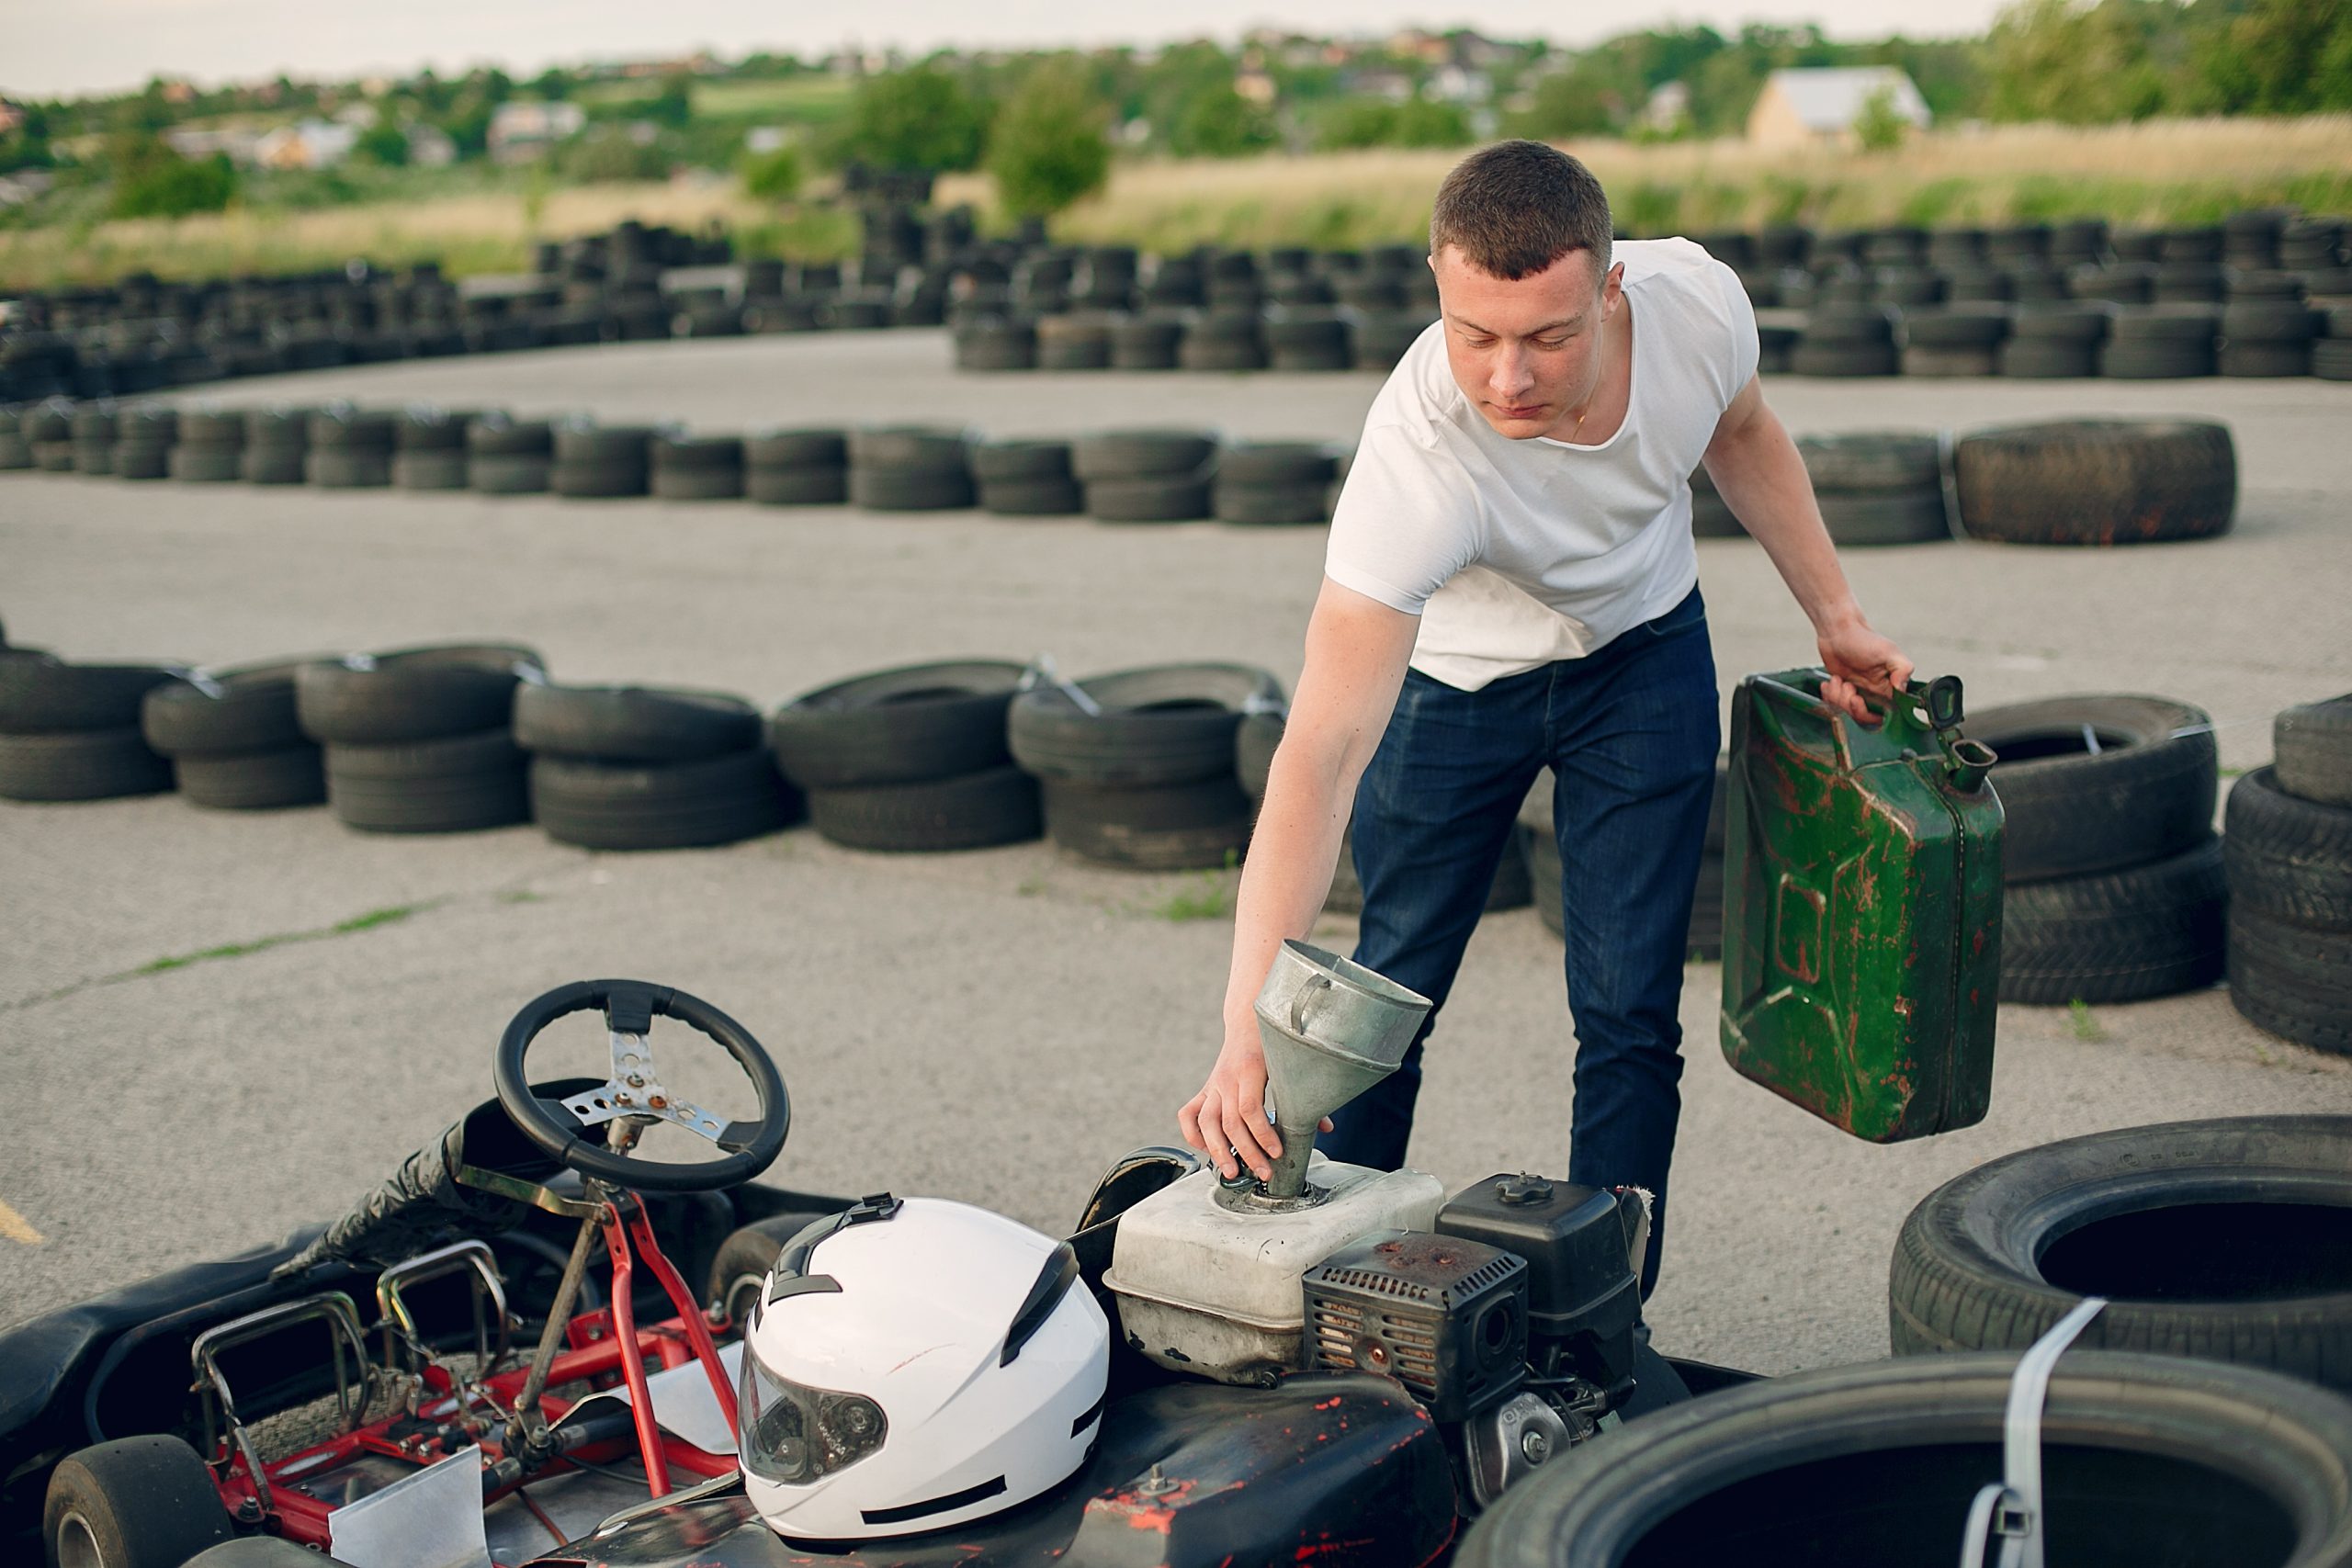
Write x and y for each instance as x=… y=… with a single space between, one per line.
x=62 y=47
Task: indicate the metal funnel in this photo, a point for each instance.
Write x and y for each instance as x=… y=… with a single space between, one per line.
x=1332 y=1029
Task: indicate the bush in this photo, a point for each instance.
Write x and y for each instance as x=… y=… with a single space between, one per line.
x=382 y=142
x=611 y=154
x=1217 y=122
x=1879 y=126
x=773 y=176
x=152 y=181
x=923 y=119
x=1048 y=146
x=1373 y=122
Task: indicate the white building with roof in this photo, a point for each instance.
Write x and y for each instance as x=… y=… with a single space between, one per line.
x=1806 y=106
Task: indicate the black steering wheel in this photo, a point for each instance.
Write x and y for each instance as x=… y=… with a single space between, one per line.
x=560 y=1125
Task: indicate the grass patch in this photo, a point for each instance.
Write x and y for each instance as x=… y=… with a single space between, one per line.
x=522 y=895
x=1205 y=895
x=367 y=923
x=2083 y=1021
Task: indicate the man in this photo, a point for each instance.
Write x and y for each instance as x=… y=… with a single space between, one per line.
x=1510 y=584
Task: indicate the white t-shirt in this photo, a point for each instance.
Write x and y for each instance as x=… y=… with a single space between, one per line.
x=1518 y=553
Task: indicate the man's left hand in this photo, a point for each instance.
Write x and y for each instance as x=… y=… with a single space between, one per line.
x=1858 y=660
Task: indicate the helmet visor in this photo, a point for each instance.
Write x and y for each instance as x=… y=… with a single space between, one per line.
x=795 y=1434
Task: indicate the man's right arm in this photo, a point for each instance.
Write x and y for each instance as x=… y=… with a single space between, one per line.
x=1356 y=652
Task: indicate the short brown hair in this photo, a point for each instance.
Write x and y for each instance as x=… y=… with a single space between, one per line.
x=1517 y=207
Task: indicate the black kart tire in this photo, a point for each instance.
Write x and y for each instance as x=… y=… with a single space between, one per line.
x=697 y=483
x=431 y=468
x=144 y=1502
x=911 y=489
x=1885 y=517
x=896 y=727
x=2120 y=936
x=2289 y=858
x=41 y=695
x=578 y=442
x=1255 y=739
x=1147 y=500
x=2217 y=1239
x=415 y=693
x=1951 y=363
x=218 y=713
x=2292 y=980
x=996 y=461
x=797 y=450
x=2146 y=359
x=255 y=781
x=1262 y=463
x=81 y=764
x=140 y=462
x=2311 y=748
x=354 y=468
x=2039 y=359
x=501 y=473
x=969 y=811
x=2263 y=360
x=1033 y=498
x=496 y=436
x=581 y=480
x=2147 y=794
x=1269 y=505
x=796 y=487
x=743 y=1261
x=665 y=806
x=914 y=447
x=1160 y=725
x=2145 y=1460
x=1194 y=825
x=455 y=783
x=1125 y=455
x=1842 y=357
x=631 y=724
x=2096 y=481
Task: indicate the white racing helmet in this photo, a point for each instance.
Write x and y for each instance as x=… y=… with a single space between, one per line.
x=916 y=1364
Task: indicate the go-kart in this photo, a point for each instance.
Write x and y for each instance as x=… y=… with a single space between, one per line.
x=500 y=1407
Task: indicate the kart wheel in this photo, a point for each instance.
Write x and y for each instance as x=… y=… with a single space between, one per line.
x=741 y=1267
x=143 y=1502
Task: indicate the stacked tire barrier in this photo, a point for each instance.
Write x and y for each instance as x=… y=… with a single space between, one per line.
x=429 y=447
x=696 y=468
x=208 y=446
x=349 y=449
x=1273 y=482
x=593 y=460
x=143 y=439
x=234 y=739
x=1878 y=489
x=277 y=440
x=2114 y=884
x=646 y=768
x=509 y=456
x=914 y=468
x=1026 y=479
x=15 y=452
x=71 y=731
x=912 y=759
x=1541 y=841
x=421 y=740
x=2096 y=481
x=1145 y=476
x=2289 y=867
x=1137 y=767
x=797 y=468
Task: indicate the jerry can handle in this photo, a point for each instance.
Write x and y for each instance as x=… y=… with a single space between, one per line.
x=1943 y=700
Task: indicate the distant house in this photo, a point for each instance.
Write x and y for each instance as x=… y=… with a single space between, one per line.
x=1460 y=85
x=1812 y=106
x=521 y=132
x=240 y=144
x=429 y=146
x=11 y=116
x=305 y=144
x=1668 y=111
x=1392 y=86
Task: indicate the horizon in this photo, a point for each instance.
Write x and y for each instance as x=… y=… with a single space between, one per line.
x=60 y=52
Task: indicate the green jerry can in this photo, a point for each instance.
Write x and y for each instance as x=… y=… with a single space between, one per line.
x=1861 y=907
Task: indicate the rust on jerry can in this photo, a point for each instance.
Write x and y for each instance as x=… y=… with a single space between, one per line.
x=1861 y=907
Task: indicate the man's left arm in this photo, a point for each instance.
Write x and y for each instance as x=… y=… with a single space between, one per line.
x=1762 y=479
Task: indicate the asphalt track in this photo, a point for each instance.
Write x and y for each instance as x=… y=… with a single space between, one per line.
x=995 y=1026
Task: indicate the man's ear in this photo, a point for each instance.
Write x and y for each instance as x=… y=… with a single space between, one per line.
x=1612 y=288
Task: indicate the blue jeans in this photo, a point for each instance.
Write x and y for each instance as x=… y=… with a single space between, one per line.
x=1631 y=732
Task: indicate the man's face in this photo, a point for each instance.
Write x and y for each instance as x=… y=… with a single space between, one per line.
x=1525 y=353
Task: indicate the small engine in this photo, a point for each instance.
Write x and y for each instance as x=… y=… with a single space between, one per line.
x=1444 y=1316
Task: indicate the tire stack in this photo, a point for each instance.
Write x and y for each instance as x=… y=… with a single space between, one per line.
x=15 y=452
x=1380 y=338
x=350 y=449
x=1539 y=839
x=910 y=469
x=1846 y=340
x=143 y=441
x=2096 y=481
x=429 y=450
x=1138 y=767
x=1147 y=342
x=646 y=768
x=2114 y=889
x=1223 y=338
x=1026 y=479
x=1145 y=476
x=1878 y=489
x=598 y=461
x=2053 y=342
x=996 y=343
x=71 y=731
x=797 y=468
x=2289 y=854
x=1079 y=340
x=91 y=426
x=421 y=740
x=509 y=456
x=1953 y=342
x=1306 y=339
x=1711 y=515
x=696 y=468
x=209 y=449
x=2331 y=354
x=48 y=432
x=277 y=439
x=1273 y=482
x=2161 y=342
x=236 y=741
x=2268 y=336
x=910 y=760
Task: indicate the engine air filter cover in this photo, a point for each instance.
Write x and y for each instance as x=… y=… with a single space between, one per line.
x=1445 y=1316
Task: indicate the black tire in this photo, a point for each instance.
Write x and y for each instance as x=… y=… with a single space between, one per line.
x=2311 y=749
x=2147 y=794
x=335 y=467
x=996 y=346
x=212 y=427
x=455 y=783
x=1194 y=825
x=41 y=695
x=488 y=473
x=1843 y=357
x=1269 y=505
x=666 y=805
x=2096 y=481
x=1212 y=354
x=2271 y=320
x=2286 y=857
x=218 y=713
x=2266 y=360
x=2035 y=359
x=797 y=450
x=697 y=483
x=2080 y=325
x=2292 y=980
x=996 y=805
x=144 y=1502
x=1885 y=517
x=256 y=781
x=497 y=435
x=996 y=461
x=581 y=443
x=2121 y=936
x=925 y=448
x=2145 y=1460
x=1160 y=724
x=903 y=725
x=911 y=489
x=80 y=764
x=140 y=462
x=743 y=1261
x=1954 y=329
x=431 y=468
x=1255 y=739
x=1033 y=498
x=1951 y=363
x=1147 y=500
x=631 y=724
x=796 y=487
x=2218 y=1239
x=583 y=481
x=415 y=693
x=2142 y=359
x=1131 y=455
x=1145 y=344
x=93 y=457
x=2332 y=360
